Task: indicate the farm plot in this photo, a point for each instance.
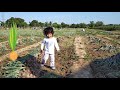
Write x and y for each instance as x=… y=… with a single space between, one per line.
x=100 y=47
x=28 y=64
x=102 y=55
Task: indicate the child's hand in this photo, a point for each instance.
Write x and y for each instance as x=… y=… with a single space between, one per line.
x=42 y=52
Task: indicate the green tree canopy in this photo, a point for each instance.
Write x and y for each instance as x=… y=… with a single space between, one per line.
x=34 y=23
x=99 y=23
x=19 y=22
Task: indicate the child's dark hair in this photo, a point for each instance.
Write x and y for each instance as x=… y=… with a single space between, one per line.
x=48 y=30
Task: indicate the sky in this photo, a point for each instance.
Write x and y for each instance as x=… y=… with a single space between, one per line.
x=66 y=17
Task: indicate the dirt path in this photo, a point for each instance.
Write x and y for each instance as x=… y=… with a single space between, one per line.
x=80 y=68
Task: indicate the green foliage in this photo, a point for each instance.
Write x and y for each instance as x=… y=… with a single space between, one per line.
x=34 y=23
x=93 y=39
x=41 y=24
x=45 y=24
x=55 y=25
x=2 y=23
x=12 y=69
x=83 y=25
x=73 y=26
x=99 y=23
x=13 y=36
x=109 y=48
x=63 y=25
x=92 y=24
x=109 y=27
x=19 y=21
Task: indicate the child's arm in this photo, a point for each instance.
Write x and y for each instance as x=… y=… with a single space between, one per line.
x=56 y=45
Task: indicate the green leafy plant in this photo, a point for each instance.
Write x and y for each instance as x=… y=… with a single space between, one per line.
x=12 y=69
x=13 y=41
x=13 y=36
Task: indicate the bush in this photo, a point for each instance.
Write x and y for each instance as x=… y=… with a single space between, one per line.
x=108 y=27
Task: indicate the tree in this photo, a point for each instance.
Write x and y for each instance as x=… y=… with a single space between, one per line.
x=2 y=24
x=55 y=25
x=50 y=23
x=82 y=25
x=19 y=21
x=24 y=24
x=72 y=25
x=58 y=25
x=41 y=24
x=99 y=23
x=63 y=25
x=46 y=24
x=34 y=23
x=67 y=25
x=92 y=24
x=77 y=25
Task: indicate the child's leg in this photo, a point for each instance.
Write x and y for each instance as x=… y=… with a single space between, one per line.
x=45 y=58
x=52 y=60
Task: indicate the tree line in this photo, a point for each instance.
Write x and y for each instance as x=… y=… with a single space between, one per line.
x=35 y=23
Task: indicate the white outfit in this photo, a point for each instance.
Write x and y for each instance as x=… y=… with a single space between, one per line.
x=50 y=44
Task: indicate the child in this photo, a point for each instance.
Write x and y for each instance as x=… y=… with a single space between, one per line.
x=48 y=47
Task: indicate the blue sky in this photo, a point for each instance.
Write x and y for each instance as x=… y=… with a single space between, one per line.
x=67 y=17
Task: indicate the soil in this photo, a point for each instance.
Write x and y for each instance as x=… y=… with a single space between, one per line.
x=81 y=68
x=70 y=61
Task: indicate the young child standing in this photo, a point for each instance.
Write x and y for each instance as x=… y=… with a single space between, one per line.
x=48 y=46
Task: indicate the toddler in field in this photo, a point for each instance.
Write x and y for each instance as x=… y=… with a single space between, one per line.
x=48 y=46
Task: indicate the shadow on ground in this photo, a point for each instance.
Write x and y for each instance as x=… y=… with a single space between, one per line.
x=33 y=67
x=100 y=68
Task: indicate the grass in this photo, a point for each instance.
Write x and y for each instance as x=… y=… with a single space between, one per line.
x=62 y=32
x=4 y=48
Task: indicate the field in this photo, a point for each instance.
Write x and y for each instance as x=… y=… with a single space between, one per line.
x=90 y=54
